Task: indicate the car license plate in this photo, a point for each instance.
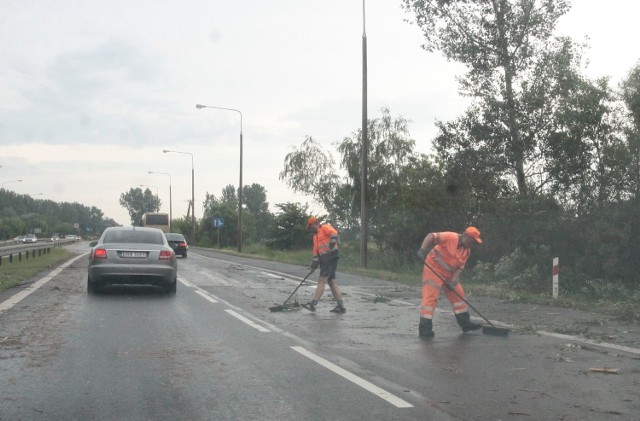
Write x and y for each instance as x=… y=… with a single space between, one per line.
x=133 y=254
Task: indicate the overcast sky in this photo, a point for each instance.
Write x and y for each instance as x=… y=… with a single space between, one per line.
x=91 y=92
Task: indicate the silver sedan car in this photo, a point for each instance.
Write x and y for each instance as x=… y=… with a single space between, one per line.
x=132 y=255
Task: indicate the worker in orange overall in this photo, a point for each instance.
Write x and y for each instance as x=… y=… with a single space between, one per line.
x=441 y=270
x=325 y=255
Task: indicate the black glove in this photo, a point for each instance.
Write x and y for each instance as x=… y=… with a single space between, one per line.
x=314 y=264
x=450 y=285
x=422 y=254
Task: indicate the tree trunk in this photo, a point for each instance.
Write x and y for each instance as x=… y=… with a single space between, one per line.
x=517 y=147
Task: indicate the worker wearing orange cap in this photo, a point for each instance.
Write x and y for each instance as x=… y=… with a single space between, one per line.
x=325 y=255
x=442 y=268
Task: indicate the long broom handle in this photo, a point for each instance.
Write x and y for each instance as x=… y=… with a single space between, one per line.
x=458 y=294
x=299 y=285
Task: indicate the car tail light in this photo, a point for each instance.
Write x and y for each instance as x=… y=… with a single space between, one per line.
x=183 y=244
x=100 y=254
x=166 y=254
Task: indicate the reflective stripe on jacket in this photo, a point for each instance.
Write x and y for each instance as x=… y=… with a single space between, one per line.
x=447 y=255
x=325 y=236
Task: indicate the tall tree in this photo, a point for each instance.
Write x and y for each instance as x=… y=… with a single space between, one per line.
x=500 y=42
x=255 y=200
x=390 y=151
x=310 y=169
x=137 y=203
x=630 y=90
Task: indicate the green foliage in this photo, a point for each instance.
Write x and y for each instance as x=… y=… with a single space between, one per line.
x=255 y=200
x=138 y=202
x=12 y=227
x=182 y=226
x=20 y=214
x=309 y=169
x=516 y=70
x=227 y=208
x=288 y=230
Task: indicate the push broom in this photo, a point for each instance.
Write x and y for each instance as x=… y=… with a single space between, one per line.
x=282 y=307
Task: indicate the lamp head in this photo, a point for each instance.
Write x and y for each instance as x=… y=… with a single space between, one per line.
x=199 y=106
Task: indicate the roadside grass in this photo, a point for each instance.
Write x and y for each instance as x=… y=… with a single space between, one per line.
x=12 y=274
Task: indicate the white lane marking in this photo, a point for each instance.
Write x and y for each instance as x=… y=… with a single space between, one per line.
x=590 y=342
x=184 y=281
x=206 y=296
x=271 y=275
x=368 y=386
x=15 y=299
x=247 y=321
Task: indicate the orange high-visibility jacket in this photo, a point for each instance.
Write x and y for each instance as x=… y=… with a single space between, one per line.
x=448 y=254
x=326 y=234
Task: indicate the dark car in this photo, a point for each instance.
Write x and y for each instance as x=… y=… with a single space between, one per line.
x=133 y=256
x=178 y=243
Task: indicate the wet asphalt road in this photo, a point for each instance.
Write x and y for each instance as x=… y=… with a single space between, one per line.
x=216 y=352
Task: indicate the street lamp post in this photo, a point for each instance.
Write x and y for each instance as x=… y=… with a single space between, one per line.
x=12 y=181
x=193 y=202
x=200 y=106
x=157 y=197
x=364 y=151
x=170 y=202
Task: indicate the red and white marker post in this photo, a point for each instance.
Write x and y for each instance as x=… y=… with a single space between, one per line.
x=555 y=272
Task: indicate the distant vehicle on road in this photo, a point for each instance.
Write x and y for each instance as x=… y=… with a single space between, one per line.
x=30 y=238
x=55 y=237
x=178 y=243
x=132 y=255
x=156 y=220
x=18 y=239
x=71 y=237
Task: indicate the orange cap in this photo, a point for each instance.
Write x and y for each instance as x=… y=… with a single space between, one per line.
x=474 y=233
x=311 y=220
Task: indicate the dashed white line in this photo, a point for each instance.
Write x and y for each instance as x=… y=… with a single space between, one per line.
x=187 y=283
x=247 y=321
x=368 y=386
x=206 y=296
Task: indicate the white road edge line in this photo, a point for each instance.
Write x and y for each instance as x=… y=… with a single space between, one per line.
x=15 y=299
x=206 y=296
x=590 y=342
x=370 y=387
x=247 y=321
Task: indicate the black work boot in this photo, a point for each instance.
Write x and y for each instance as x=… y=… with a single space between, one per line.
x=425 y=329
x=311 y=305
x=338 y=309
x=464 y=320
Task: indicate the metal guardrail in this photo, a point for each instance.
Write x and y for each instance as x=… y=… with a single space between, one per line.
x=11 y=252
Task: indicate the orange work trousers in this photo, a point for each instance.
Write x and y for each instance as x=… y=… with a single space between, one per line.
x=431 y=286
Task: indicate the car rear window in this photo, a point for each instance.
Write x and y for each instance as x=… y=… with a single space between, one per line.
x=144 y=237
x=175 y=237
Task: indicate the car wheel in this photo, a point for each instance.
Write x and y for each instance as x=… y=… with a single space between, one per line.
x=171 y=289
